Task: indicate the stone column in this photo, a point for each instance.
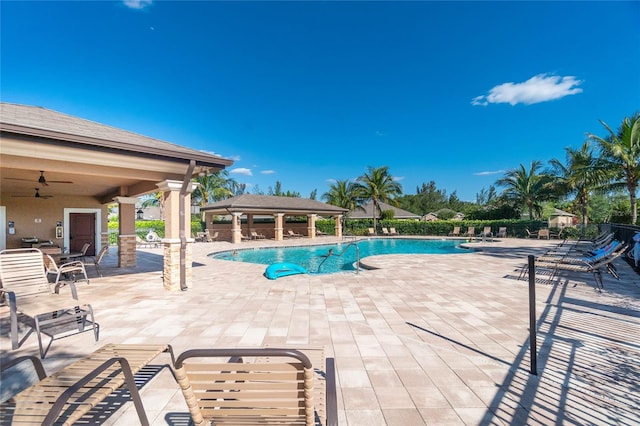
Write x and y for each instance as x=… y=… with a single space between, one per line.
x=171 y=241
x=236 y=230
x=126 y=231
x=311 y=225
x=279 y=218
x=339 y=226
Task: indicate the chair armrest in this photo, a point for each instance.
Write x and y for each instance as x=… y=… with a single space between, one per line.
x=37 y=364
x=332 y=398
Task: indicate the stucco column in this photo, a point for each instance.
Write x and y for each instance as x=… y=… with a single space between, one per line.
x=126 y=231
x=339 y=226
x=311 y=225
x=171 y=241
x=279 y=218
x=236 y=230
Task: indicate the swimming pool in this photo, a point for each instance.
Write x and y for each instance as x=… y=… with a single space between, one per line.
x=315 y=260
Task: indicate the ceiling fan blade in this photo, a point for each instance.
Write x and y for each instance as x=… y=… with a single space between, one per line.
x=58 y=181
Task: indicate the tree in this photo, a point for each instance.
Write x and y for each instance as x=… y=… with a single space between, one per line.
x=280 y=193
x=527 y=187
x=214 y=187
x=342 y=193
x=580 y=175
x=377 y=185
x=155 y=199
x=621 y=153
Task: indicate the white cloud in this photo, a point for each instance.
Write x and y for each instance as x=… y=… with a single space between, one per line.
x=241 y=171
x=539 y=88
x=398 y=178
x=488 y=173
x=137 y=4
x=268 y=172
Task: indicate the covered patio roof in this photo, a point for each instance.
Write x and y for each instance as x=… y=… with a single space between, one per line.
x=271 y=204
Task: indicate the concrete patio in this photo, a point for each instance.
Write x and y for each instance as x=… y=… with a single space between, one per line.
x=423 y=339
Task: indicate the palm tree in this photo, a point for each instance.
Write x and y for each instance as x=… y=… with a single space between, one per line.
x=580 y=175
x=155 y=199
x=213 y=187
x=342 y=193
x=378 y=185
x=621 y=152
x=527 y=188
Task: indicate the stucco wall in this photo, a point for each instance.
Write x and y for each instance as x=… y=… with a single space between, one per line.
x=38 y=216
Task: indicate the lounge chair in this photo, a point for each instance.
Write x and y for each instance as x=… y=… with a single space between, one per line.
x=84 y=249
x=244 y=237
x=27 y=291
x=502 y=232
x=257 y=386
x=371 y=231
x=591 y=265
x=392 y=231
x=385 y=231
x=471 y=232
x=95 y=260
x=256 y=236
x=486 y=233
x=292 y=234
x=455 y=232
x=544 y=233
x=530 y=234
x=319 y=233
x=65 y=272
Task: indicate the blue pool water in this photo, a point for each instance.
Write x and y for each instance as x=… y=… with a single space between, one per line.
x=314 y=258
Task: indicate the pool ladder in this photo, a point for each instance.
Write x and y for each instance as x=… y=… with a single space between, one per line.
x=353 y=243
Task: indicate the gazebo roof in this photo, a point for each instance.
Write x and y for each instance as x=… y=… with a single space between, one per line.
x=366 y=212
x=270 y=204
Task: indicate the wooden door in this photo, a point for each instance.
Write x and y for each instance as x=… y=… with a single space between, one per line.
x=82 y=229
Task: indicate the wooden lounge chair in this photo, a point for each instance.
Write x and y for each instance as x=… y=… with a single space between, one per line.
x=385 y=231
x=69 y=394
x=27 y=291
x=392 y=231
x=65 y=272
x=371 y=231
x=455 y=232
x=257 y=386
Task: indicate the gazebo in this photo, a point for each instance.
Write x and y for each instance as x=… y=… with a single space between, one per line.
x=251 y=206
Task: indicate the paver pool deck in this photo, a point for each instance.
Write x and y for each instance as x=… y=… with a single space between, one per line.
x=422 y=339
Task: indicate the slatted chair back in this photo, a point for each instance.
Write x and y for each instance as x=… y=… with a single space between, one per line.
x=221 y=390
x=23 y=272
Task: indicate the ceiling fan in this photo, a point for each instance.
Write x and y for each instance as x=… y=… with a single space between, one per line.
x=42 y=180
x=36 y=195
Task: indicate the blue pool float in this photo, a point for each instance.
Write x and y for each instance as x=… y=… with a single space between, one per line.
x=277 y=270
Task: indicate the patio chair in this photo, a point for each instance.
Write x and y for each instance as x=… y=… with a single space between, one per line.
x=257 y=386
x=208 y=238
x=530 y=234
x=385 y=231
x=544 y=233
x=591 y=265
x=257 y=236
x=65 y=272
x=392 y=231
x=502 y=232
x=486 y=233
x=294 y=234
x=371 y=231
x=84 y=249
x=471 y=232
x=455 y=232
x=27 y=292
x=95 y=260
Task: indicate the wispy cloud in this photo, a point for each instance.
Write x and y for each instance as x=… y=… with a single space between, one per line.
x=539 y=88
x=137 y=4
x=241 y=171
x=268 y=172
x=398 y=178
x=488 y=173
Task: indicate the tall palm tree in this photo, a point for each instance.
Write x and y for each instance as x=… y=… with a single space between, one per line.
x=579 y=175
x=621 y=152
x=343 y=194
x=377 y=185
x=527 y=187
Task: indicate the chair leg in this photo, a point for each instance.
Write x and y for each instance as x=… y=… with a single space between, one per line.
x=14 y=322
x=39 y=335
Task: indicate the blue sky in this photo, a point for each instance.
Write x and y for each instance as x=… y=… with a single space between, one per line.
x=307 y=93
